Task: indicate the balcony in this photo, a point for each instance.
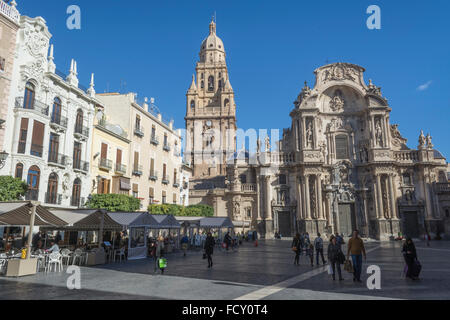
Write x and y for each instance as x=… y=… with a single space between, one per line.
x=165 y=180
x=248 y=187
x=166 y=147
x=185 y=185
x=53 y=198
x=9 y=11
x=442 y=187
x=81 y=131
x=32 y=195
x=57 y=159
x=137 y=170
x=406 y=156
x=176 y=185
x=105 y=164
x=154 y=140
x=77 y=202
x=58 y=121
x=121 y=168
x=36 y=150
x=36 y=106
x=139 y=131
x=153 y=175
x=81 y=166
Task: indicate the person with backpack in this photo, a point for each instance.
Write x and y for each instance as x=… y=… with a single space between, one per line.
x=209 y=248
x=410 y=255
x=318 y=244
x=335 y=257
x=297 y=248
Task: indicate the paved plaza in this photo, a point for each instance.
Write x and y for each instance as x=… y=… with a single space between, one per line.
x=265 y=272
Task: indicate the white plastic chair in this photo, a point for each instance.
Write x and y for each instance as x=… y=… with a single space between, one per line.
x=66 y=255
x=55 y=259
x=120 y=253
x=78 y=255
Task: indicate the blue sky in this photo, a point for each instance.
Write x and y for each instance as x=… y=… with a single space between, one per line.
x=272 y=48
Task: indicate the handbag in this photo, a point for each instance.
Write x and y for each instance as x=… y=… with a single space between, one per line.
x=340 y=257
x=294 y=249
x=204 y=256
x=348 y=266
x=330 y=269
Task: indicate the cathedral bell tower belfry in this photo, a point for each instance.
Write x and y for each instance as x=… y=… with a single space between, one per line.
x=210 y=111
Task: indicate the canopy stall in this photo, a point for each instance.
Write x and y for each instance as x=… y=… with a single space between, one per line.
x=168 y=222
x=216 y=223
x=136 y=222
x=188 y=224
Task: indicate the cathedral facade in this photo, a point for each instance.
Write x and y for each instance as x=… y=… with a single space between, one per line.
x=341 y=165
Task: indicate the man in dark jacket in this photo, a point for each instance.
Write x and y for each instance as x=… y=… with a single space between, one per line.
x=410 y=254
x=297 y=248
x=335 y=255
x=209 y=248
x=227 y=240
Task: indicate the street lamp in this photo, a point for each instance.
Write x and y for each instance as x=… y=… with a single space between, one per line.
x=3 y=156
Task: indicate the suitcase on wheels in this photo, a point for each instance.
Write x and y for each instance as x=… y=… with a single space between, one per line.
x=416 y=269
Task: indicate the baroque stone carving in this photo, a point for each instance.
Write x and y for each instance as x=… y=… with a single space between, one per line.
x=340 y=71
x=373 y=89
x=397 y=139
x=337 y=102
x=35 y=41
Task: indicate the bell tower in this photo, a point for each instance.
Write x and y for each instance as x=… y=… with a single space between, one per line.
x=210 y=111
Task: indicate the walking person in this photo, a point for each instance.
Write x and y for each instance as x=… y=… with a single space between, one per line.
x=184 y=244
x=209 y=248
x=318 y=244
x=310 y=252
x=410 y=255
x=297 y=248
x=227 y=240
x=159 y=250
x=357 y=250
x=335 y=257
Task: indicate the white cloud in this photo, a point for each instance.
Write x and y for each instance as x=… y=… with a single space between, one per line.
x=424 y=86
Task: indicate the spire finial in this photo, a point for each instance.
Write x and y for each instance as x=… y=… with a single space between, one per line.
x=212 y=26
x=92 y=80
x=50 y=56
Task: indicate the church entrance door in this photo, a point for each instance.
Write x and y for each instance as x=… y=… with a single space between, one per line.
x=284 y=223
x=411 y=224
x=347 y=219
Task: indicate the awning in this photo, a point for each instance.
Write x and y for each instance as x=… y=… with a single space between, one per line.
x=189 y=221
x=72 y=216
x=18 y=214
x=166 y=222
x=216 y=222
x=115 y=220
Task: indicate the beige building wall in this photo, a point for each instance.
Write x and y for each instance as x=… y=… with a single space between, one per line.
x=155 y=149
x=9 y=24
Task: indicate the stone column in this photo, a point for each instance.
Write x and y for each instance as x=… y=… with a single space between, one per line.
x=329 y=212
x=427 y=197
x=319 y=197
x=258 y=197
x=304 y=132
x=394 y=214
x=380 y=212
x=307 y=200
x=299 y=198
x=268 y=198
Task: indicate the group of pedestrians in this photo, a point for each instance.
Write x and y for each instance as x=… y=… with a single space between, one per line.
x=302 y=243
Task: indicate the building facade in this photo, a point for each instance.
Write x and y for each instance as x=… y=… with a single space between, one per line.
x=341 y=165
x=154 y=151
x=49 y=121
x=9 y=24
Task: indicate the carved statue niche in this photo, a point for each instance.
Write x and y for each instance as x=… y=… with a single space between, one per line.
x=337 y=102
x=267 y=141
x=309 y=134
x=378 y=133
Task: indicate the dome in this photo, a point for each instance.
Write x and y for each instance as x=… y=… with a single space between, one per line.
x=212 y=42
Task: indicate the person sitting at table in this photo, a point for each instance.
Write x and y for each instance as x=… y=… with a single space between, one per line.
x=54 y=247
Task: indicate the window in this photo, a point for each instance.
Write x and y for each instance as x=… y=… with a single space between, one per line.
x=103 y=186
x=243 y=178
x=152 y=167
x=56 y=112
x=164 y=198
x=79 y=122
x=76 y=192
x=153 y=132
x=447 y=213
x=77 y=155
x=52 y=189
x=138 y=122
x=137 y=237
x=23 y=136
x=119 y=157
x=19 y=171
x=164 y=171
x=28 y=102
x=202 y=85
x=135 y=190
x=174 y=198
x=53 y=148
x=192 y=105
x=33 y=178
x=226 y=103
x=151 y=196
x=136 y=161
x=341 y=147
x=165 y=140
x=174 y=176
x=2 y=64
x=282 y=179
x=211 y=83
x=37 y=139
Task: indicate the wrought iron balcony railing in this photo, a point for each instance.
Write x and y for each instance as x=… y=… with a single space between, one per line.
x=121 y=168
x=105 y=164
x=153 y=175
x=53 y=198
x=32 y=195
x=139 y=131
x=56 y=158
x=34 y=104
x=165 y=179
x=59 y=120
x=36 y=150
x=82 y=130
x=137 y=170
x=166 y=147
x=154 y=140
x=80 y=165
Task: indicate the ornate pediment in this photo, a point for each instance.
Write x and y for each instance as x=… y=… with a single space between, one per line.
x=35 y=39
x=339 y=72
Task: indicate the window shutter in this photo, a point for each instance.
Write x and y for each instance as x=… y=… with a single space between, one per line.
x=152 y=193
x=104 y=153
x=135 y=187
x=38 y=133
x=119 y=156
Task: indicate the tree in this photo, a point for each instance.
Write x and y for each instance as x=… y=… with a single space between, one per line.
x=114 y=203
x=12 y=189
x=181 y=211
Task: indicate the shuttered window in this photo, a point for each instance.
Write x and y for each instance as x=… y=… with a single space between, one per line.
x=23 y=136
x=37 y=139
x=151 y=195
x=104 y=151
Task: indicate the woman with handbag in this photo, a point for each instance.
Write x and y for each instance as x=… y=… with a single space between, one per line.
x=410 y=255
x=297 y=248
x=335 y=257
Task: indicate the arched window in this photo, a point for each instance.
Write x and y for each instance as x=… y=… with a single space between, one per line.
x=407 y=178
x=341 y=147
x=52 y=189
x=202 y=85
x=243 y=178
x=76 y=192
x=79 y=122
x=220 y=84
x=34 y=174
x=192 y=105
x=226 y=103
x=19 y=171
x=211 y=83
x=28 y=102
x=56 y=111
